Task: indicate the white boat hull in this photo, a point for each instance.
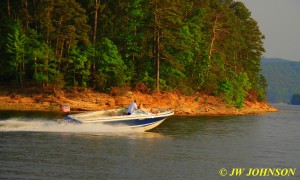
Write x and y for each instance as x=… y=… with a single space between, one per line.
x=140 y=120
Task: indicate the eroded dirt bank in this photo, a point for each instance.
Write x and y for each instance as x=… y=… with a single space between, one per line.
x=87 y=100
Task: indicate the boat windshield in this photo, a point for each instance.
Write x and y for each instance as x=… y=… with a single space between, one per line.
x=140 y=111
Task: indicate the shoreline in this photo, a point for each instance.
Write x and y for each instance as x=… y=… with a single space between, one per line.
x=194 y=105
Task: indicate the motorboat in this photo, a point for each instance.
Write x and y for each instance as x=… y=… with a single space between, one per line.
x=141 y=119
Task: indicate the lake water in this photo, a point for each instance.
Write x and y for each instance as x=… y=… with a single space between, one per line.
x=33 y=146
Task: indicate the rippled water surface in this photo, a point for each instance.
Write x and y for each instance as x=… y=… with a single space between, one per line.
x=33 y=146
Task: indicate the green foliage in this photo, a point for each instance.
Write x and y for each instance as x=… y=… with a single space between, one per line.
x=147 y=80
x=59 y=82
x=111 y=64
x=227 y=88
x=42 y=58
x=198 y=45
x=242 y=85
x=235 y=90
x=81 y=67
x=262 y=88
x=16 y=42
x=283 y=79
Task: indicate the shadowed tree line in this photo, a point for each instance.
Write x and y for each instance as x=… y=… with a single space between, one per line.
x=212 y=46
x=283 y=80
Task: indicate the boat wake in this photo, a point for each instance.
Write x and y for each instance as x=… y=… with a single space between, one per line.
x=42 y=125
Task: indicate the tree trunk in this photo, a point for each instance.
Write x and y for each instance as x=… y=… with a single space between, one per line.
x=46 y=70
x=35 y=65
x=157 y=47
x=48 y=29
x=26 y=10
x=157 y=59
x=97 y=5
x=20 y=75
x=8 y=7
x=35 y=15
x=57 y=39
x=212 y=44
x=61 y=55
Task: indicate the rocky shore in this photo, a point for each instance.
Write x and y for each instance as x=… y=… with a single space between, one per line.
x=87 y=100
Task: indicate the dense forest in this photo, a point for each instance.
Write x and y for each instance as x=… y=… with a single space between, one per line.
x=283 y=80
x=211 y=46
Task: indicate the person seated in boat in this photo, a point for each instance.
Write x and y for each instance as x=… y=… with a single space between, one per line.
x=132 y=107
x=145 y=110
x=153 y=111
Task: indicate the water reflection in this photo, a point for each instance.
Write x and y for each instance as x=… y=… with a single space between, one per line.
x=172 y=127
x=31 y=115
x=180 y=148
x=208 y=125
x=128 y=135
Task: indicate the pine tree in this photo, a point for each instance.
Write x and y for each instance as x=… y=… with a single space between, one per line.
x=16 y=42
x=202 y=45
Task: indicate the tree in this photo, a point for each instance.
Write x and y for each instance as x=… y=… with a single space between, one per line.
x=111 y=68
x=198 y=66
x=64 y=25
x=16 y=42
x=81 y=67
x=132 y=37
x=235 y=89
x=42 y=58
x=97 y=5
x=261 y=88
x=251 y=48
x=167 y=19
x=219 y=28
x=194 y=45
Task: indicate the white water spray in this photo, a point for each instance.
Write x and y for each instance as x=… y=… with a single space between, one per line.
x=42 y=125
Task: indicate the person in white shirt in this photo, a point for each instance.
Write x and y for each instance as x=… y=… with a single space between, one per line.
x=132 y=107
